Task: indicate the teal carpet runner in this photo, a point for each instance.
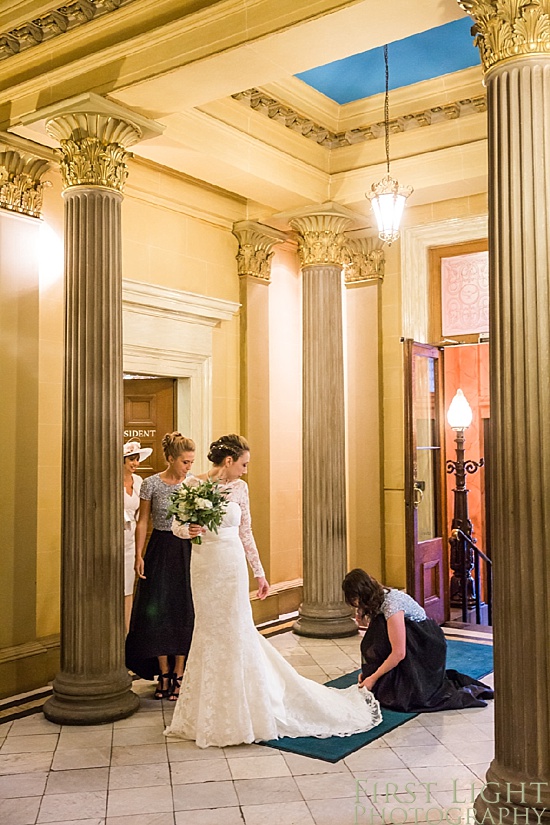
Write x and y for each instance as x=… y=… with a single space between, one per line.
x=467 y=657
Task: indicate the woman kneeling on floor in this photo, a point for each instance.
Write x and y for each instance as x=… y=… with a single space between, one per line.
x=404 y=653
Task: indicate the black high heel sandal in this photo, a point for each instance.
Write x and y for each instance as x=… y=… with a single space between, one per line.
x=163 y=692
x=176 y=685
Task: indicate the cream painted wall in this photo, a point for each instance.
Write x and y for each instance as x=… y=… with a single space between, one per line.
x=18 y=424
x=285 y=432
x=51 y=342
x=364 y=447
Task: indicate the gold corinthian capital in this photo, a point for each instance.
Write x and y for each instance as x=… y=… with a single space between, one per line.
x=508 y=29
x=321 y=238
x=93 y=148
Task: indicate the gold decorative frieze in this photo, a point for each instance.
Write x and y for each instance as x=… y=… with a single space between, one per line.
x=53 y=23
x=286 y=116
x=93 y=148
x=321 y=238
x=365 y=261
x=256 y=243
x=21 y=187
x=506 y=29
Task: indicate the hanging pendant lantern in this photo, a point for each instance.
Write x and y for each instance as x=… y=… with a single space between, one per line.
x=387 y=197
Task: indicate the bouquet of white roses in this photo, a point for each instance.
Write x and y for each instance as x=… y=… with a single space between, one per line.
x=202 y=502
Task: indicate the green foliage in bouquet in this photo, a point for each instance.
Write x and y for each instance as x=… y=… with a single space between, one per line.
x=203 y=503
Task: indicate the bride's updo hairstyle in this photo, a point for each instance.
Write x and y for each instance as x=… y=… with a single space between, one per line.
x=363 y=592
x=232 y=446
x=174 y=444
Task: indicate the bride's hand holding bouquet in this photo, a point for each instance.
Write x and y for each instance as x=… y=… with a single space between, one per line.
x=201 y=503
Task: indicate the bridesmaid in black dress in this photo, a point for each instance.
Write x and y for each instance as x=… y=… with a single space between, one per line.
x=404 y=653
x=161 y=623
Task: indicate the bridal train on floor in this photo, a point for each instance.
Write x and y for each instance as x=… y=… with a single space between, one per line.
x=237 y=688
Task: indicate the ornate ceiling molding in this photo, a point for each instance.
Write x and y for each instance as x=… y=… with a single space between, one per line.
x=288 y=117
x=21 y=187
x=507 y=29
x=58 y=21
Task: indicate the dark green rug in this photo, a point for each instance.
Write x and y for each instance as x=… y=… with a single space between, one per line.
x=467 y=657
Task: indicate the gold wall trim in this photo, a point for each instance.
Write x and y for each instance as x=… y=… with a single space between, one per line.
x=509 y=28
x=21 y=187
x=55 y=22
x=322 y=135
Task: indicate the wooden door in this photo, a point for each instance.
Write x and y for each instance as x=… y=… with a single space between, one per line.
x=149 y=413
x=427 y=557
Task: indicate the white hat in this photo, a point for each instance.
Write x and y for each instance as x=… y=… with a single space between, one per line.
x=135 y=448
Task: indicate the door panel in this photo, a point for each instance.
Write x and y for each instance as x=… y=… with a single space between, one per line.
x=426 y=541
x=149 y=413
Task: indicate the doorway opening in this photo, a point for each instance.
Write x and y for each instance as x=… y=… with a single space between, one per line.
x=149 y=412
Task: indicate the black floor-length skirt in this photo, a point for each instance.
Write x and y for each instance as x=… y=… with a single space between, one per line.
x=162 y=613
x=420 y=681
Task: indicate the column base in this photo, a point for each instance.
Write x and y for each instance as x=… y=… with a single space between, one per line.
x=325 y=627
x=509 y=797
x=87 y=703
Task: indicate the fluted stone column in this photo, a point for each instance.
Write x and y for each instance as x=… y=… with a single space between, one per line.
x=93 y=685
x=514 y=40
x=322 y=250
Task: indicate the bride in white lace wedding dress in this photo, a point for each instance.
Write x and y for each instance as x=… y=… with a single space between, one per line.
x=237 y=688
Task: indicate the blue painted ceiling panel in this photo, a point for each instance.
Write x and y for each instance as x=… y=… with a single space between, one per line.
x=423 y=56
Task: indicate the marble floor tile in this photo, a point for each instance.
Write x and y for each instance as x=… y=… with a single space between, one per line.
x=162 y=818
x=272 y=790
x=472 y=751
x=381 y=759
x=139 y=720
x=42 y=743
x=480 y=769
x=77 y=737
x=375 y=781
x=200 y=770
x=22 y=784
x=31 y=725
x=84 y=805
x=285 y=813
x=344 y=811
x=444 y=778
x=411 y=736
x=24 y=763
x=249 y=767
x=73 y=758
x=210 y=816
x=248 y=750
x=455 y=734
x=425 y=756
x=303 y=765
x=142 y=755
x=20 y=811
x=139 y=776
x=80 y=779
x=184 y=751
x=327 y=786
x=139 y=736
x=94 y=821
x=131 y=801
x=198 y=796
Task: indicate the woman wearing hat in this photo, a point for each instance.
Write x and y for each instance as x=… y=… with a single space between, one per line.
x=133 y=455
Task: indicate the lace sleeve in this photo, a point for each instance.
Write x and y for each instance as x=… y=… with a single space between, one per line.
x=180 y=530
x=245 y=530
